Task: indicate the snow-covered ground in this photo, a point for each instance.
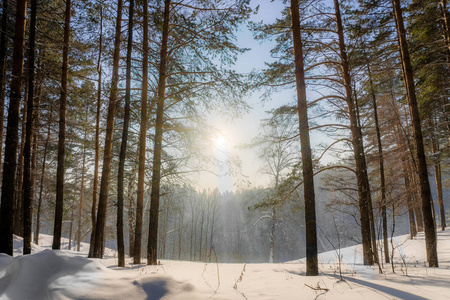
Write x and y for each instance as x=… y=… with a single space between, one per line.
x=64 y=274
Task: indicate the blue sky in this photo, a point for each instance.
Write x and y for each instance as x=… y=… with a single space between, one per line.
x=242 y=130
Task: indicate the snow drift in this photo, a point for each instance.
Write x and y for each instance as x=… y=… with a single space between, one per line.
x=65 y=274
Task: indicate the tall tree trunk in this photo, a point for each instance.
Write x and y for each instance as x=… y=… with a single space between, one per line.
x=44 y=163
x=201 y=234
x=3 y=45
x=97 y=134
x=123 y=146
x=27 y=189
x=18 y=212
x=438 y=177
x=419 y=216
x=421 y=164
x=69 y=246
x=59 y=202
x=381 y=165
x=35 y=142
x=437 y=174
x=371 y=215
x=34 y=166
x=163 y=238
x=404 y=143
x=83 y=168
x=415 y=191
x=358 y=148
x=211 y=238
x=131 y=211
x=142 y=141
x=12 y=128
x=272 y=236
x=156 y=175
x=107 y=154
x=307 y=167
x=409 y=200
x=205 y=250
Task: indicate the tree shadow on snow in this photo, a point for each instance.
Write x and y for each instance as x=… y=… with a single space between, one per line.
x=388 y=290
x=155 y=290
x=158 y=287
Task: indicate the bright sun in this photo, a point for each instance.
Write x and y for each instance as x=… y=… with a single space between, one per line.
x=220 y=140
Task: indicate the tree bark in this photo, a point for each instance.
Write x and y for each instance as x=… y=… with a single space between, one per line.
x=371 y=215
x=409 y=201
x=131 y=212
x=80 y=207
x=35 y=142
x=107 y=154
x=12 y=128
x=272 y=236
x=381 y=166
x=3 y=45
x=18 y=212
x=437 y=176
x=97 y=134
x=31 y=115
x=417 y=204
x=142 y=141
x=403 y=141
x=123 y=146
x=59 y=202
x=156 y=175
x=69 y=245
x=358 y=148
x=421 y=164
x=44 y=163
x=307 y=166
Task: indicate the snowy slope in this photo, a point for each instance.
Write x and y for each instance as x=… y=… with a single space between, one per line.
x=67 y=274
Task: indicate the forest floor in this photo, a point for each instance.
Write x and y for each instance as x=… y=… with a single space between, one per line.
x=65 y=274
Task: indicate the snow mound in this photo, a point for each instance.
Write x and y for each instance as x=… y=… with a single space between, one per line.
x=18 y=246
x=44 y=274
x=51 y=274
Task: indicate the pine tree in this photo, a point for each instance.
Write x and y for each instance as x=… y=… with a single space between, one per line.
x=420 y=162
x=3 y=44
x=97 y=133
x=381 y=165
x=42 y=177
x=429 y=57
x=83 y=169
x=142 y=140
x=59 y=206
x=358 y=147
x=11 y=142
x=157 y=150
x=312 y=268
x=98 y=245
x=123 y=146
x=31 y=115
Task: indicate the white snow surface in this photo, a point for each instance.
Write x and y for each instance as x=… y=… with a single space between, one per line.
x=64 y=274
